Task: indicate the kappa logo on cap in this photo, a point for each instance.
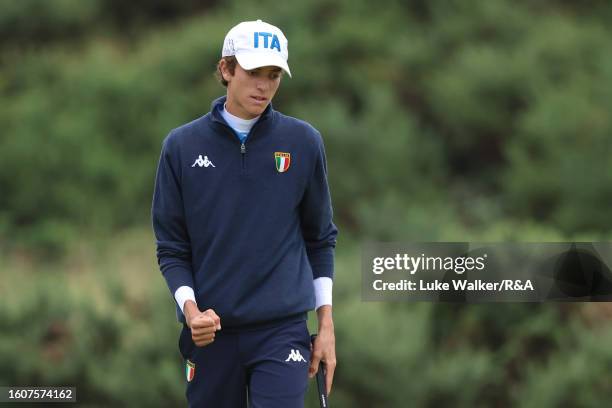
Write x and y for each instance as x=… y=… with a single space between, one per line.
x=229 y=47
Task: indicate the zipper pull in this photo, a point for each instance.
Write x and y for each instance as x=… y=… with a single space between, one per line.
x=242 y=148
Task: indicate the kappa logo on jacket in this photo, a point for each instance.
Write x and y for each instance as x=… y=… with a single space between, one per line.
x=295 y=356
x=202 y=162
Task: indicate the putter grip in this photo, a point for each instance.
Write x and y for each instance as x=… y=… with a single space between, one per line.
x=321 y=390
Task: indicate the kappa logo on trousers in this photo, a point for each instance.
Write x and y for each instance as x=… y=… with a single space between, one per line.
x=295 y=356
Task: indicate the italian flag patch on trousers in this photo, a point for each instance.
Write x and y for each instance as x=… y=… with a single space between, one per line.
x=189 y=370
x=282 y=160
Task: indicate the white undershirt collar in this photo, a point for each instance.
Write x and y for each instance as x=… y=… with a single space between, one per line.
x=236 y=123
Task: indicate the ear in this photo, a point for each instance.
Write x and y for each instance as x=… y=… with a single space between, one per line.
x=224 y=70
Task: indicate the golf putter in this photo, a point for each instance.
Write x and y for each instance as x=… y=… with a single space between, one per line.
x=321 y=390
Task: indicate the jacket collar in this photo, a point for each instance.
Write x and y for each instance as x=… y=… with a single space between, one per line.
x=217 y=106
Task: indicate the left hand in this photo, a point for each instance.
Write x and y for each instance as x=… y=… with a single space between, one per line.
x=324 y=349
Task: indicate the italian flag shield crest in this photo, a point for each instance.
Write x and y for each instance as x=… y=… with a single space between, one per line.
x=189 y=370
x=283 y=161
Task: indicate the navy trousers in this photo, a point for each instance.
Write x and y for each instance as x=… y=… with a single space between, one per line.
x=261 y=367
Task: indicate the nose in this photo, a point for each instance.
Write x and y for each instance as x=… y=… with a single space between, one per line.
x=264 y=83
x=261 y=84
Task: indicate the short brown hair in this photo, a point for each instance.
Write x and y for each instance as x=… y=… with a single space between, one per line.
x=231 y=66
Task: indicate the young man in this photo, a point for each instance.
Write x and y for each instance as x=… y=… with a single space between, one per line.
x=245 y=239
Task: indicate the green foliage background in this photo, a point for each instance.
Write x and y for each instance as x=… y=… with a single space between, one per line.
x=443 y=120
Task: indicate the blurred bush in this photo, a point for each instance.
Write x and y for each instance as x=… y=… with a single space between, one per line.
x=102 y=322
x=116 y=354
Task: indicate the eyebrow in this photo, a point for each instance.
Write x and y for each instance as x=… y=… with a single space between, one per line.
x=276 y=69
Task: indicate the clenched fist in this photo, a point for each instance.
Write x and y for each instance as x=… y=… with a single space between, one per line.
x=203 y=325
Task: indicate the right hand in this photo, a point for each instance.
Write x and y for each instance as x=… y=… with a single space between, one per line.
x=203 y=325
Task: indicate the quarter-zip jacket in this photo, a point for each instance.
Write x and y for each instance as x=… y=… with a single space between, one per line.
x=248 y=238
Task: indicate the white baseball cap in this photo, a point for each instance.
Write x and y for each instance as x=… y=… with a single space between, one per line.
x=257 y=44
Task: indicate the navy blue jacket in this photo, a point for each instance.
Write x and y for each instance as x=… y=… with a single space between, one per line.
x=247 y=238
